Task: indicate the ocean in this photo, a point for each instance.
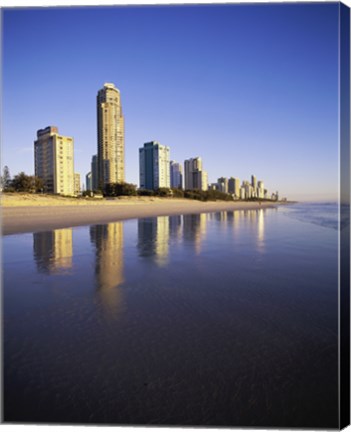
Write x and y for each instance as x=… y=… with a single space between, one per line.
x=219 y=319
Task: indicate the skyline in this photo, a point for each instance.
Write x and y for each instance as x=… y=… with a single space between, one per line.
x=272 y=104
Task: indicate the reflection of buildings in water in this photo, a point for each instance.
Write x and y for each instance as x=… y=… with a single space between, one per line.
x=108 y=240
x=255 y=218
x=194 y=228
x=175 y=227
x=53 y=250
x=162 y=240
x=221 y=216
x=153 y=238
x=260 y=229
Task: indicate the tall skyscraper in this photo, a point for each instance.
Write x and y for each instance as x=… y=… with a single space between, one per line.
x=110 y=131
x=248 y=190
x=53 y=154
x=194 y=176
x=176 y=175
x=223 y=184
x=94 y=173
x=88 y=182
x=234 y=186
x=77 y=184
x=260 y=189
x=154 y=166
x=254 y=182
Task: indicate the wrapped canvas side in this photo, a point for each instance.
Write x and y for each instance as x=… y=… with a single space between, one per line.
x=344 y=299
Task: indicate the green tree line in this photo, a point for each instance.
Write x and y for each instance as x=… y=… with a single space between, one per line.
x=21 y=182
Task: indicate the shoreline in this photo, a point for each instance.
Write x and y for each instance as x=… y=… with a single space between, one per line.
x=34 y=218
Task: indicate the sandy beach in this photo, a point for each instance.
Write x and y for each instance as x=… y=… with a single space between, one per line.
x=33 y=213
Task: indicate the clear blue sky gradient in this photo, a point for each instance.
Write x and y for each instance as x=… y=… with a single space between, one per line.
x=252 y=89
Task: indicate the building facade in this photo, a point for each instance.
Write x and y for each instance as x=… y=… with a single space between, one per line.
x=110 y=131
x=88 y=182
x=234 y=186
x=249 y=190
x=260 y=190
x=94 y=173
x=54 y=162
x=176 y=175
x=254 y=182
x=154 y=166
x=194 y=176
x=77 y=184
x=223 y=184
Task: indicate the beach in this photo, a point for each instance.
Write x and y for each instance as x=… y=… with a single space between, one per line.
x=34 y=213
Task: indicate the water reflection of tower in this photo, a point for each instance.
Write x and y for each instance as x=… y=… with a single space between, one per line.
x=175 y=227
x=108 y=240
x=194 y=227
x=153 y=238
x=260 y=229
x=53 y=250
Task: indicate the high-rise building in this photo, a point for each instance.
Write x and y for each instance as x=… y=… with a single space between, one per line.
x=249 y=190
x=194 y=176
x=88 y=182
x=154 y=166
x=110 y=131
x=94 y=173
x=176 y=175
x=76 y=184
x=223 y=184
x=54 y=164
x=253 y=182
x=260 y=189
x=234 y=186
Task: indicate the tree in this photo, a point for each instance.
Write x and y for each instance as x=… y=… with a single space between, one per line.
x=5 y=178
x=146 y=192
x=178 y=193
x=120 y=189
x=25 y=183
x=164 y=192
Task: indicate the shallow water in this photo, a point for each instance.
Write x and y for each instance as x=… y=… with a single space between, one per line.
x=214 y=319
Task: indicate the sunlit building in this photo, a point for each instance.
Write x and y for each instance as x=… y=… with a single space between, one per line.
x=223 y=184
x=77 y=184
x=260 y=190
x=176 y=175
x=53 y=160
x=248 y=190
x=88 y=182
x=253 y=182
x=154 y=166
x=195 y=177
x=94 y=173
x=234 y=186
x=110 y=130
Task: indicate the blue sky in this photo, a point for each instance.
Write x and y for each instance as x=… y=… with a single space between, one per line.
x=252 y=89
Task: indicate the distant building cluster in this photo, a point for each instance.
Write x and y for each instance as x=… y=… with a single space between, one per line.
x=54 y=160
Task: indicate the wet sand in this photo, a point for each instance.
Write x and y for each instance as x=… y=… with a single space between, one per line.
x=35 y=218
